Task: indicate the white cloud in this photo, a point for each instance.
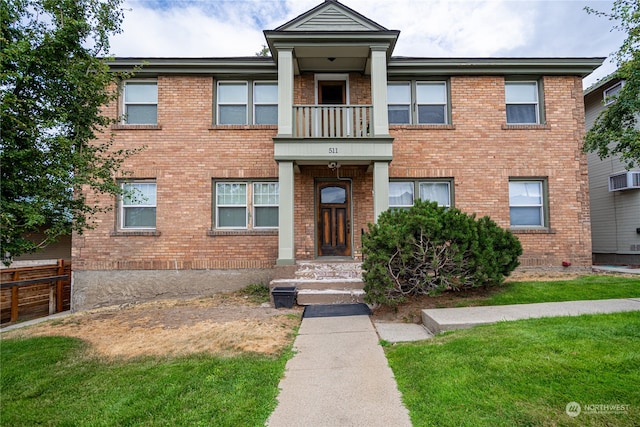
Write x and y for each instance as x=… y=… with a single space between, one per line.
x=429 y=28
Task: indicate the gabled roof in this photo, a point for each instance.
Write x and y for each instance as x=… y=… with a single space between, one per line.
x=331 y=16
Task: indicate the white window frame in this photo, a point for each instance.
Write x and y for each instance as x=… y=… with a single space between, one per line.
x=610 y=94
x=408 y=104
x=444 y=104
x=223 y=104
x=536 y=104
x=125 y=103
x=267 y=104
x=415 y=188
x=123 y=206
x=439 y=182
x=249 y=102
x=542 y=206
x=249 y=204
x=256 y=205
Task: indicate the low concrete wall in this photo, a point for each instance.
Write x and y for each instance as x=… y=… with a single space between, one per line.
x=94 y=289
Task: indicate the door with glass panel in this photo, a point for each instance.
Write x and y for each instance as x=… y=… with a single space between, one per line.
x=333 y=211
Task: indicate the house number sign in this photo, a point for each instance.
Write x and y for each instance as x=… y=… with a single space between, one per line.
x=333 y=150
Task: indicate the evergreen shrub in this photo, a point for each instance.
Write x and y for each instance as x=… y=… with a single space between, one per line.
x=429 y=248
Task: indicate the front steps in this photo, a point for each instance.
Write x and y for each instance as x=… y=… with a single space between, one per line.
x=320 y=282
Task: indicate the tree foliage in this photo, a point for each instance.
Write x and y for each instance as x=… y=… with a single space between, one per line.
x=428 y=249
x=616 y=130
x=55 y=79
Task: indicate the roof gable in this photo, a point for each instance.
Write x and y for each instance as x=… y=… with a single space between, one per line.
x=331 y=16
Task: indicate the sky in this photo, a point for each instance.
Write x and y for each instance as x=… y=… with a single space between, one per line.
x=428 y=28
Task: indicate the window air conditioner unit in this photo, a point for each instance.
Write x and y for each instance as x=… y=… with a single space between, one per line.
x=624 y=181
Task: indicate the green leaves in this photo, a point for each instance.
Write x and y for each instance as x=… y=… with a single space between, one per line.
x=54 y=86
x=428 y=249
x=615 y=131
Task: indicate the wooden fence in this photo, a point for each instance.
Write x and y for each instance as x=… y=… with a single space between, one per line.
x=37 y=291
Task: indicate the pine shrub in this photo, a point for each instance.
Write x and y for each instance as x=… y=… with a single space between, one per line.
x=428 y=249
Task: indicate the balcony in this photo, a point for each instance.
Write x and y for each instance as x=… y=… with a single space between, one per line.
x=332 y=121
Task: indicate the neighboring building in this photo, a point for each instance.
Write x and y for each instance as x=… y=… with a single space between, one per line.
x=253 y=164
x=615 y=191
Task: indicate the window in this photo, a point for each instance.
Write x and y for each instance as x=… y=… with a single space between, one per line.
x=235 y=98
x=527 y=203
x=265 y=103
x=138 y=205
x=399 y=102
x=265 y=204
x=401 y=193
x=522 y=102
x=611 y=93
x=235 y=200
x=140 y=102
x=436 y=192
x=430 y=99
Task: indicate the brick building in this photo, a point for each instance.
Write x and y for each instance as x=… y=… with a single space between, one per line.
x=254 y=164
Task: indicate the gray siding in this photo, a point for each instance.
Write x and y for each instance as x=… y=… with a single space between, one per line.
x=615 y=216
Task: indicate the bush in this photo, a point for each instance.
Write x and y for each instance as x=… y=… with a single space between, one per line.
x=428 y=248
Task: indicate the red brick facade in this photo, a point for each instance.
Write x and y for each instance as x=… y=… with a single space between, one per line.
x=185 y=154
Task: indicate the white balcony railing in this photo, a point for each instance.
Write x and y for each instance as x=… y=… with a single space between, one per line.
x=332 y=121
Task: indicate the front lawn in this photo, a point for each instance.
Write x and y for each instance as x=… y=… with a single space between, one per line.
x=525 y=373
x=53 y=381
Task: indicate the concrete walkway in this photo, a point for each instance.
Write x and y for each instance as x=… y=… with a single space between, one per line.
x=445 y=319
x=339 y=377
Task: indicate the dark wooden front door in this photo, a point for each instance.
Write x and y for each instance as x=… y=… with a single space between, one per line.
x=334 y=218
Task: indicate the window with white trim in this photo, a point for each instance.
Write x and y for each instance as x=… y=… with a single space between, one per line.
x=610 y=94
x=399 y=102
x=138 y=205
x=402 y=193
x=527 y=203
x=430 y=99
x=246 y=205
x=522 y=101
x=244 y=102
x=140 y=102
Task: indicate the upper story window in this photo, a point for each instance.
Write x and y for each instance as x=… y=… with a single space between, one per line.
x=138 y=205
x=243 y=205
x=430 y=99
x=399 y=103
x=611 y=93
x=243 y=102
x=522 y=99
x=140 y=102
x=401 y=193
x=527 y=203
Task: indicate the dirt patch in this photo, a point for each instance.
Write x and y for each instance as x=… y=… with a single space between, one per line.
x=223 y=324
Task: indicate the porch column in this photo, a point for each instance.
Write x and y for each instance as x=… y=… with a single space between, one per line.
x=285 y=91
x=380 y=188
x=379 y=90
x=286 y=245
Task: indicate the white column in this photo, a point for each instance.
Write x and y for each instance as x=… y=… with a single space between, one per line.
x=379 y=90
x=286 y=244
x=285 y=92
x=380 y=188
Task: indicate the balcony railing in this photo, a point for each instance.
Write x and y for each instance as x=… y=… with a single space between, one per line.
x=332 y=121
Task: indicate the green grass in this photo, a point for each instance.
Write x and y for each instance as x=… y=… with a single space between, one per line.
x=51 y=381
x=524 y=373
x=590 y=287
x=257 y=293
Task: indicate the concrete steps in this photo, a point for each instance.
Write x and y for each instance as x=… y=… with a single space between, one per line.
x=319 y=282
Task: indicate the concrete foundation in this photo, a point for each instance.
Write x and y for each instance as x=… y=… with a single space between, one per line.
x=93 y=289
